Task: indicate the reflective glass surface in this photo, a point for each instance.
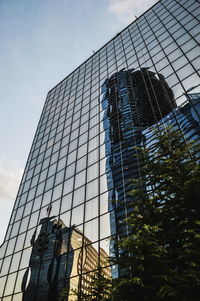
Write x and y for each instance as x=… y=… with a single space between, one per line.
x=74 y=194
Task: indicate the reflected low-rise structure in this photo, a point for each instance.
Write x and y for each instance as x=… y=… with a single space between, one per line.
x=74 y=193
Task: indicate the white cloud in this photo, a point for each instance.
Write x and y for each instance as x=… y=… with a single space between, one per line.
x=10 y=176
x=126 y=10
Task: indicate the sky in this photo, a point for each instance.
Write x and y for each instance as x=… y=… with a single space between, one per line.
x=41 y=42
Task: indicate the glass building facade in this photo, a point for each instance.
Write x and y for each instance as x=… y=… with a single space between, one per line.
x=73 y=196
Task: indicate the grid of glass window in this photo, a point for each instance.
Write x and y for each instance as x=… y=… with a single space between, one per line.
x=66 y=183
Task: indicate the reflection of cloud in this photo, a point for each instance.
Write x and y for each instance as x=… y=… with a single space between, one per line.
x=9 y=180
x=126 y=10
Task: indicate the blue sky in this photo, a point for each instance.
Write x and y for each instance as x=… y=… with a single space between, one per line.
x=41 y=42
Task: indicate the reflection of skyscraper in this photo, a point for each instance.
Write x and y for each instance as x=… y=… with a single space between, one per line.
x=82 y=153
x=48 y=263
x=194 y=101
x=56 y=255
x=132 y=101
x=185 y=118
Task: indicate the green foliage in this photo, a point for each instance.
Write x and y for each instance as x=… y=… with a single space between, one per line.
x=97 y=288
x=160 y=258
x=63 y=294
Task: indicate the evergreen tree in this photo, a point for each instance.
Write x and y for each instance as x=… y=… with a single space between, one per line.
x=160 y=258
